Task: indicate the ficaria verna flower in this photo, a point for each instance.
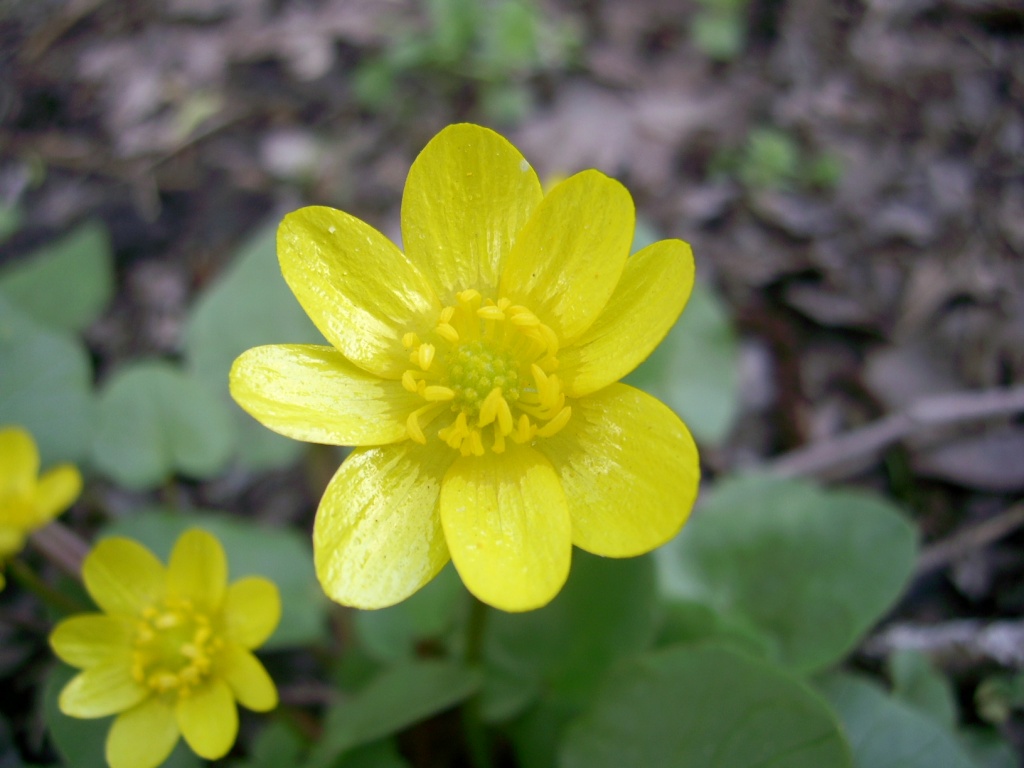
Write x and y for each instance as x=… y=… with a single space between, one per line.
x=476 y=374
x=29 y=500
x=171 y=652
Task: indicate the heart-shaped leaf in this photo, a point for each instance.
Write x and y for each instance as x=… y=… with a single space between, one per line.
x=66 y=284
x=705 y=707
x=811 y=569
x=886 y=733
x=154 y=421
x=250 y=305
x=45 y=386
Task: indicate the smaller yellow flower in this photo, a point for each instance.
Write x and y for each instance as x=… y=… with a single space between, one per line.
x=28 y=500
x=171 y=652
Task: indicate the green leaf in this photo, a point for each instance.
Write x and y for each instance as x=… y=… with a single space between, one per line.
x=45 y=386
x=394 y=633
x=917 y=683
x=695 y=370
x=886 y=733
x=81 y=743
x=987 y=748
x=250 y=305
x=771 y=159
x=705 y=707
x=379 y=754
x=154 y=421
x=10 y=220
x=278 y=744
x=66 y=284
x=811 y=569
x=538 y=733
x=281 y=555
x=606 y=611
x=399 y=697
x=688 y=622
x=721 y=36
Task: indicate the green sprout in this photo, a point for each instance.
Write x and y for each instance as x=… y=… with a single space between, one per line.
x=492 y=48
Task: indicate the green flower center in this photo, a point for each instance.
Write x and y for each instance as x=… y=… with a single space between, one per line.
x=475 y=370
x=174 y=647
x=491 y=364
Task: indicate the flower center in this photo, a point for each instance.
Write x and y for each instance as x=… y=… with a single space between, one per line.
x=174 y=647
x=491 y=366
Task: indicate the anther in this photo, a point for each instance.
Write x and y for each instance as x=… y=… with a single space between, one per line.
x=425 y=356
x=556 y=424
x=448 y=333
x=437 y=393
x=489 y=409
x=490 y=312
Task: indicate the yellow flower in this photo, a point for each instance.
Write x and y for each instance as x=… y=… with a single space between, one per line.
x=172 y=650
x=28 y=500
x=477 y=373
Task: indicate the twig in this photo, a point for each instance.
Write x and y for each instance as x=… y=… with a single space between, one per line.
x=72 y=13
x=970 y=538
x=61 y=546
x=845 y=454
x=955 y=643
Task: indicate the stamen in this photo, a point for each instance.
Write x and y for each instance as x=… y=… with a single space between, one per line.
x=448 y=333
x=493 y=366
x=524 y=430
x=412 y=423
x=505 y=421
x=489 y=409
x=556 y=424
x=437 y=393
x=425 y=356
x=175 y=648
x=490 y=312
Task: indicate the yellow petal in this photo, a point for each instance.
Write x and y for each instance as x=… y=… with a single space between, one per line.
x=507 y=527
x=91 y=639
x=198 y=570
x=646 y=303
x=247 y=678
x=105 y=689
x=468 y=194
x=629 y=469
x=56 y=491
x=208 y=719
x=12 y=540
x=19 y=461
x=315 y=394
x=123 y=577
x=252 y=611
x=355 y=285
x=142 y=737
x=377 y=536
x=570 y=255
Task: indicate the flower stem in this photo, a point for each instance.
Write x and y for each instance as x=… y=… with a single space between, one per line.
x=60 y=602
x=476 y=626
x=478 y=741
